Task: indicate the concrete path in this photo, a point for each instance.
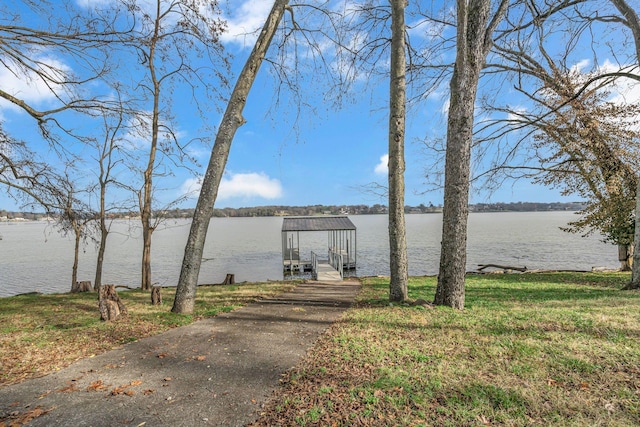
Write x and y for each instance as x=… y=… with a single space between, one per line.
x=215 y=372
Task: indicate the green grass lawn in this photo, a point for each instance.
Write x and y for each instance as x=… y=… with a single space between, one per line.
x=529 y=349
x=40 y=334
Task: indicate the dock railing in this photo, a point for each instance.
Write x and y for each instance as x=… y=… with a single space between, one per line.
x=314 y=265
x=336 y=261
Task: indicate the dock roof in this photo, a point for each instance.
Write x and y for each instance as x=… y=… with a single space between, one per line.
x=317 y=223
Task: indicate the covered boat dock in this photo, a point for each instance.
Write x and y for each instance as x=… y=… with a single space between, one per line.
x=341 y=246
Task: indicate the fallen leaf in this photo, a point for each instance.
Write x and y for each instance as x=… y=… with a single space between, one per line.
x=96 y=385
x=118 y=390
x=147 y=392
x=69 y=388
x=200 y=358
x=136 y=383
x=162 y=355
x=26 y=417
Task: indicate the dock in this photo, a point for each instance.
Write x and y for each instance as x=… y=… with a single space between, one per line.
x=340 y=249
x=326 y=273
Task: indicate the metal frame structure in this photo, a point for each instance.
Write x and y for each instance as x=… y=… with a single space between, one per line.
x=341 y=242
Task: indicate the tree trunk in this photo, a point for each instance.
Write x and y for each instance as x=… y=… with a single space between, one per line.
x=231 y=121
x=146 y=256
x=101 y=250
x=633 y=22
x=625 y=256
x=474 y=41
x=146 y=198
x=635 y=268
x=397 y=99
x=76 y=255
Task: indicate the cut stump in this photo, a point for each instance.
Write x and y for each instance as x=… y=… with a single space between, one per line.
x=156 y=295
x=229 y=280
x=109 y=303
x=84 y=286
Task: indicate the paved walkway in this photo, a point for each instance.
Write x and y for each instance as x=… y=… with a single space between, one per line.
x=215 y=372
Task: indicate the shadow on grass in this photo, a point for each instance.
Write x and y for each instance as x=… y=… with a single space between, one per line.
x=528 y=288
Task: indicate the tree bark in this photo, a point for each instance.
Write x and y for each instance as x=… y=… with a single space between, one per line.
x=147 y=190
x=632 y=21
x=156 y=295
x=104 y=232
x=231 y=121
x=76 y=255
x=635 y=267
x=474 y=41
x=109 y=303
x=84 y=286
x=230 y=279
x=625 y=256
x=397 y=101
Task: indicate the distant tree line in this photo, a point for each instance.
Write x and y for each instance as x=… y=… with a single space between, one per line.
x=326 y=210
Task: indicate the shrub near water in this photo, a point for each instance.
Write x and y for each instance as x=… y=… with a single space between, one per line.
x=529 y=349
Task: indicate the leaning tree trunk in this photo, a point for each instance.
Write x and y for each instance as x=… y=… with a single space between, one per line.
x=101 y=250
x=473 y=43
x=397 y=100
x=231 y=121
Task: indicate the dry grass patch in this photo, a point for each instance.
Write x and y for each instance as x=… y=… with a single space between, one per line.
x=530 y=349
x=40 y=334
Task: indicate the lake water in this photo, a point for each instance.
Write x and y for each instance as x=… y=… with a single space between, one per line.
x=34 y=257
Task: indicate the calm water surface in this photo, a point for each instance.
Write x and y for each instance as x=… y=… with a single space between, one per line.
x=34 y=257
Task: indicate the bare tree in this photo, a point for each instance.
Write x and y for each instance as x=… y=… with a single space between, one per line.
x=476 y=23
x=398 y=259
x=61 y=50
x=108 y=150
x=75 y=217
x=584 y=144
x=25 y=177
x=231 y=121
x=172 y=36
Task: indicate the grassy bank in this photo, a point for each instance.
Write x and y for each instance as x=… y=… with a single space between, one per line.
x=43 y=333
x=530 y=349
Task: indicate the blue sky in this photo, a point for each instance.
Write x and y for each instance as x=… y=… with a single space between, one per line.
x=327 y=155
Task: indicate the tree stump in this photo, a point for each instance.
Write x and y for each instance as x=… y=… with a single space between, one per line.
x=109 y=303
x=156 y=296
x=84 y=286
x=229 y=280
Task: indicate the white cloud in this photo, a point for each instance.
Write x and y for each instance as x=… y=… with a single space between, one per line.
x=28 y=87
x=580 y=66
x=382 y=168
x=515 y=116
x=624 y=90
x=244 y=21
x=239 y=185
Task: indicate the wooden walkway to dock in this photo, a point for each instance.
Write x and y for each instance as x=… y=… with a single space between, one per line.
x=326 y=273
